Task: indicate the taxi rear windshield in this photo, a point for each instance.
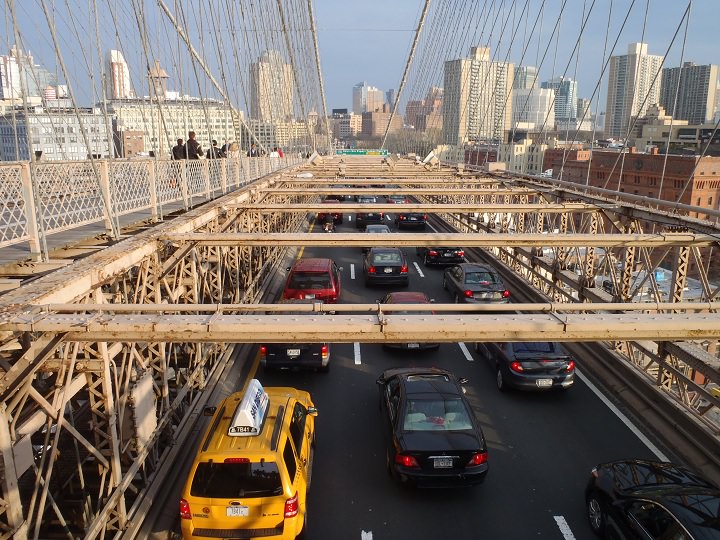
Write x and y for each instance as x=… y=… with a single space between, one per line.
x=231 y=480
x=309 y=280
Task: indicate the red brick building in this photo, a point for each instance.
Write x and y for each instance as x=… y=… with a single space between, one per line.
x=687 y=179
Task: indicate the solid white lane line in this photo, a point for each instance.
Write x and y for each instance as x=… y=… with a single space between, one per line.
x=356 y=350
x=466 y=352
x=417 y=268
x=352 y=270
x=564 y=528
x=366 y=535
x=624 y=419
x=388 y=217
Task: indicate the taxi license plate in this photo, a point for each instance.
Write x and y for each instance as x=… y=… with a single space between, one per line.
x=388 y=270
x=237 y=511
x=293 y=352
x=443 y=463
x=544 y=383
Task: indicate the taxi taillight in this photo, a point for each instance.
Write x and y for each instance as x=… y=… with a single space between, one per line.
x=468 y=294
x=291 y=506
x=185 y=509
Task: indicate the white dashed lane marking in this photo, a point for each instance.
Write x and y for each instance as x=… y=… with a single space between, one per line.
x=417 y=269
x=466 y=352
x=352 y=270
x=356 y=349
x=564 y=528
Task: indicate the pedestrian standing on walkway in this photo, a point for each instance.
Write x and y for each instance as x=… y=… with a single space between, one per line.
x=178 y=151
x=194 y=150
x=213 y=152
x=253 y=152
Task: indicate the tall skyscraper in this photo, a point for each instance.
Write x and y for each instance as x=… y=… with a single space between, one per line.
x=35 y=78
x=696 y=90
x=633 y=86
x=119 y=79
x=158 y=81
x=272 y=88
x=525 y=77
x=477 y=101
x=367 y=98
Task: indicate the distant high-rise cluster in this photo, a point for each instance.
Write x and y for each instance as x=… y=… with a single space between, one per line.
x=690 y=92
x=119 y=77
x=367 y=98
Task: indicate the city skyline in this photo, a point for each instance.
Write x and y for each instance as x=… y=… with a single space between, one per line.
x=375 y=49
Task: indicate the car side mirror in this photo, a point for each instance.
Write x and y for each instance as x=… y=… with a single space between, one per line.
x=380 y=381
x=288 y=268
x=209 y=411
x=312 y=411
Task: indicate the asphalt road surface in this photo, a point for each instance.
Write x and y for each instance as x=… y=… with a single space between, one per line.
x=541 y=445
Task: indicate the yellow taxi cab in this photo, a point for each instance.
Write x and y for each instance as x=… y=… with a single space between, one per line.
x=251 y=475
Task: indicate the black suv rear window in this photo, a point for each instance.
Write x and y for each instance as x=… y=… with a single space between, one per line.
x=232 y=480
x=309 y=280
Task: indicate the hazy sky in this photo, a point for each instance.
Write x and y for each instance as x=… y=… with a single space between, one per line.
x=369 y=40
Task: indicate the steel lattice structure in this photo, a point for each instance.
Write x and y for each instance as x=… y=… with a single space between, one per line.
x=104 y=360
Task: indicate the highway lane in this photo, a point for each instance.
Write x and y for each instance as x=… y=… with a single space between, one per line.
x=541 y=445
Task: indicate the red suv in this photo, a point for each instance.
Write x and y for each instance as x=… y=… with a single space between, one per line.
x=314 y=278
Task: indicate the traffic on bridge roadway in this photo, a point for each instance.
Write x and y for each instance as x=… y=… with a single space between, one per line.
x=541 y=445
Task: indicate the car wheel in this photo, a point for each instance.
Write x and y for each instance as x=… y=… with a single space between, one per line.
x=500 y=380
x=596 y=514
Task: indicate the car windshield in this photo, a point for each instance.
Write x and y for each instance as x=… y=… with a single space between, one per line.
x=387 y=257
x=435 y=415
x=233 y=480
x=309 y=280
x=480 y=278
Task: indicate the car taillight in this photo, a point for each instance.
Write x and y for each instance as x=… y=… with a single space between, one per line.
x=401 y=218
x=432 y=253
x=570 y=366
x=382 y=215
x=406 y=461
x=478 y=459
x=468 y=294
x=506 y=294
x=185 y=509
x=324 y=352
x=460 y=253
x=403 y=269
x=425 y=217
x=516 y=366
x=263 y=351
x=371 y=270
x=291 y=506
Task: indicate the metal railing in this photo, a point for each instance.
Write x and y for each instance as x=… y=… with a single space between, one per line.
x=46 y=198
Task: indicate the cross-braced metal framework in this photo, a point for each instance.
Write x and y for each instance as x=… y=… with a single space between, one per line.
x=104 y=361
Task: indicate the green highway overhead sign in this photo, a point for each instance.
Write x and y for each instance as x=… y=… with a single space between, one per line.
x=361 y=152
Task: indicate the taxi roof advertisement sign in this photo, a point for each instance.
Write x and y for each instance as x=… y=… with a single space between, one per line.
x=250 y=414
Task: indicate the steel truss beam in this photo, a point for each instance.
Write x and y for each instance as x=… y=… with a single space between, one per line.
x=446 y=239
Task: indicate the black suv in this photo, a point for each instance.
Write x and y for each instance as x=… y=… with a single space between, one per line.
x=296 y=355
x=415 y=220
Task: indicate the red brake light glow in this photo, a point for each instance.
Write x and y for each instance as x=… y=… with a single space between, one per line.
x=403 y=269
x=570 y=365
x=478 y=459
x=506 y=294
x=263 y=351
x=461 y=253
x=371 y=270
x=406 y=461
x=432 y=253
x=237 y=460
x=185 y=510
x=516 y=366
x=468 y=294
x=291 y=506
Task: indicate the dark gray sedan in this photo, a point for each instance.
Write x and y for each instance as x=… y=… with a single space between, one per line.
x=475 y=283
x=385 y=266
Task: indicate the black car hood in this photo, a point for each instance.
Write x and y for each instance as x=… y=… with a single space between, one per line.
x=439 y=441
